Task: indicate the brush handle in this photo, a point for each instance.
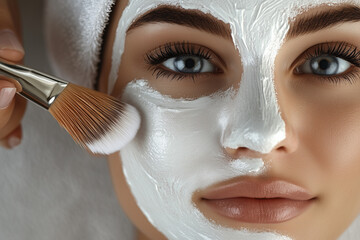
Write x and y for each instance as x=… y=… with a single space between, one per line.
x=38 y=87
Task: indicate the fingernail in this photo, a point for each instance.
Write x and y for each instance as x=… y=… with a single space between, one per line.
x=9 y=41
x=6 y=96
x=13 y=141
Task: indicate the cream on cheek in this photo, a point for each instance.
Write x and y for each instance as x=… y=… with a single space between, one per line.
x=180 y=138
x=176 y=152
x=179 y=148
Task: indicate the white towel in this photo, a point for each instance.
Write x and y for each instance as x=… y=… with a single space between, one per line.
x=51 y=189
x=73 y=31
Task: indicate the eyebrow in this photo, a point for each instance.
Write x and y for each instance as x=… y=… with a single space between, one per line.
x=323 y=19
x=205 y=22
x=189 y=18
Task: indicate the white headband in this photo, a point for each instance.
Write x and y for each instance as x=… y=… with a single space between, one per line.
x=74 y=31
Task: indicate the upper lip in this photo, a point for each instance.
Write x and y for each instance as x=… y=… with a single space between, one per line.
x=257 y=188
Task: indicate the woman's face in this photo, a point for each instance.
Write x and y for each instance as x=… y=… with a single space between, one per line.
x=249 y=117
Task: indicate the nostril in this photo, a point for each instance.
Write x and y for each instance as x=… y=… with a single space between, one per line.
x=282 y=149
x=233 y=151
x=242 y=152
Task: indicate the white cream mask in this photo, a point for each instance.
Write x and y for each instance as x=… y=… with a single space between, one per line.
x=165 y=165
x=179 y=148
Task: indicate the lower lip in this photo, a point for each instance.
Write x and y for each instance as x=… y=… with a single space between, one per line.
x=259 y=210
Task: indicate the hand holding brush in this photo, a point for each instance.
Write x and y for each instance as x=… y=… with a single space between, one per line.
x=96 y=121
x=12 y=106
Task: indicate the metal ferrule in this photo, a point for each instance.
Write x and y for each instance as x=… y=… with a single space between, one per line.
x=36 y=86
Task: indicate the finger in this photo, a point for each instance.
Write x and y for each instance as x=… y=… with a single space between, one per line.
x=10 y=46
x=13 y=139
x=16 y=116
x=7 y=103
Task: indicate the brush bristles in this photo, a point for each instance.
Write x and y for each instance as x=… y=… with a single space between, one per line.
x=96 y=121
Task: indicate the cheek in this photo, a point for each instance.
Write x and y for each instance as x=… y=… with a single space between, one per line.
x=181 y=139
x=325 y=119
x=333 y=137
x=333 y=142
x=327 y=124
x=177 y=140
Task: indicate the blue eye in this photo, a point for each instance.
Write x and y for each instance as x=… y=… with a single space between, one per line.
x=189 y=64
x=324 y=65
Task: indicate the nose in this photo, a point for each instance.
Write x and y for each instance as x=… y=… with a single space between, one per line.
x=261 y=137
x=242 y=152
x=253 y=121
x=288 y=145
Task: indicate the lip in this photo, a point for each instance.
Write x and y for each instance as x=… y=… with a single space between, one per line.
x=258 y=201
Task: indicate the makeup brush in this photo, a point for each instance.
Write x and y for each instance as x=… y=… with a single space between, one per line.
x=96 y=121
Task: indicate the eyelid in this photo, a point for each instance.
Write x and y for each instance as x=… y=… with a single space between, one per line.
x=184 y=48
x=337 y=49
x=343 y=50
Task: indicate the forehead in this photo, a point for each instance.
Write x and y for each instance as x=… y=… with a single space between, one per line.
x=253 y=23
x=258 y=27
x=238 y=11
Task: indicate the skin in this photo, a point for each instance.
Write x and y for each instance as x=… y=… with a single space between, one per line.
x=10 y=116
x=122 y=190
x=320 y=151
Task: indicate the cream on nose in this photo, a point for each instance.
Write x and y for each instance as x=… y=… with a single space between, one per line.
x=254 y=120
x=242 y=153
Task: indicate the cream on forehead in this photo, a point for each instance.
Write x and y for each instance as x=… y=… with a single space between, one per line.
x=217 y=8
x=179 y=148
x=258 y=29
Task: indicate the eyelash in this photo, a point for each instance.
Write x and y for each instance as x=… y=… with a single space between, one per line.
x=341 y=50
x=156 y=57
